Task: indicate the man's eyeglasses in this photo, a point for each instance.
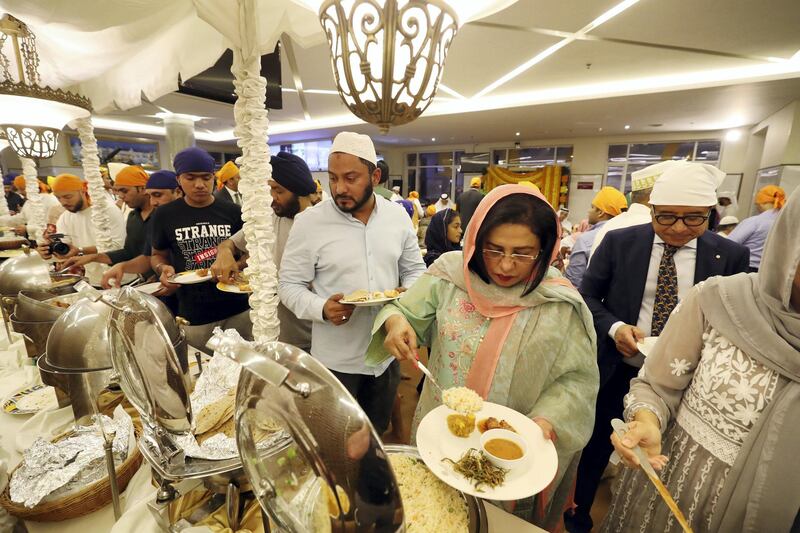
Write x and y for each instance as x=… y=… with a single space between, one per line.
x=498 y=255
x=691 y=221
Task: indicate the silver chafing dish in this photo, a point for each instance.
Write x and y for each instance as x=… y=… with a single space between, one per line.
x=346 y=482
x=77 y=358
x=153 y=380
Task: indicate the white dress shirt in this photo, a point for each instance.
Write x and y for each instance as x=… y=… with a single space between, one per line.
x=78 y=230
x=236 y=196
x=636 y=215
x=685 y=259
x=333 y=252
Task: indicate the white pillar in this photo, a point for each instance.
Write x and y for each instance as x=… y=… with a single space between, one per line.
x=254 y=168
x=38 y=218
x=101 y=202
x=180 y=134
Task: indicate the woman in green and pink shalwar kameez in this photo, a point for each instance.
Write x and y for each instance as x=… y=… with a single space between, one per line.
x=528 y=344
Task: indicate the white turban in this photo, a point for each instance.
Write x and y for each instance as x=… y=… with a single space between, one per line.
x=688 y=184
x=646 y=177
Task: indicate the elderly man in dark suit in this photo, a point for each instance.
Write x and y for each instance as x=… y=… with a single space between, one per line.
x=634 y=281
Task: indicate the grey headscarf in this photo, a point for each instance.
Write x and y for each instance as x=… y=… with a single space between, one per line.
x=755 y=313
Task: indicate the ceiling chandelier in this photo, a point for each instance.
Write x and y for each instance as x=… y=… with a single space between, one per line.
x=31 y=116
x=388 y=56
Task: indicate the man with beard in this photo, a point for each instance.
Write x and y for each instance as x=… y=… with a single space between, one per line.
x=130 y=188
x=76 y=225
x=161 y=188
x=185 y=236
x=359 y=241
x=291 y=188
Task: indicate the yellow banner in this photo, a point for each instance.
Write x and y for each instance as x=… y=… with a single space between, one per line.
x=549 y=180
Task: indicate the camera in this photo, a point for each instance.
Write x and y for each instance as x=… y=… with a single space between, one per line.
x=57 y=246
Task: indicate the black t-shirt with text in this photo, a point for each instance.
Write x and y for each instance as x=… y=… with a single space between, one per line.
x=192 y=234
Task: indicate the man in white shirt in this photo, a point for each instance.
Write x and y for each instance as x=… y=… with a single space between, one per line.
x=77 y=226
x=443 y=203
x=638 y=212
x=20 y=220
x=358 y=241
x=228 y=184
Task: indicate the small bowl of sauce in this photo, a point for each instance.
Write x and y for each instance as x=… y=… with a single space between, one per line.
x=504 y=448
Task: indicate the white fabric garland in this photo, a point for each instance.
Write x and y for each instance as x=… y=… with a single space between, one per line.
x=101 y=203
x=4 y=212
x=254 y=168
x=37 y=219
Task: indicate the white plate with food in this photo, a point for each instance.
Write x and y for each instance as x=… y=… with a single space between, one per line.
x=5 y=254
x=365 y=298
x=31 y=400
x=647 y=344
x=191 y=277
x=440 y=449
x=149 y=288
x=240 y=285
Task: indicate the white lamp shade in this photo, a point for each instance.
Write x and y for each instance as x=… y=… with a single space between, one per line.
x=38 y=112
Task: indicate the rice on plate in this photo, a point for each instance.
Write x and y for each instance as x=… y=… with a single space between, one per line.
x=429 y=504
x=463 y=400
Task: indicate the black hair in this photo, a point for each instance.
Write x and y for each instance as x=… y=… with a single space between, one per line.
x=641 y=196
x=370 y=166
x=529 y=211
x=384 y=170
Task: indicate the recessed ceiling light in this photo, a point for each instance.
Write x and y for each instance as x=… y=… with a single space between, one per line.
x=733 y=135
x=657 y=125
x=517 y=134
x=433 y=139
x=627 y=126
x=599 y=129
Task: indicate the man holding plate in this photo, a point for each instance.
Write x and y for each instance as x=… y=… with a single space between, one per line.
x=185 y=236
x=359 y=241
x=635 y=279
x=291 y=188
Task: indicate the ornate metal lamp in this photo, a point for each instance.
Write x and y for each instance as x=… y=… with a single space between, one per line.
x=387 y=60
x=31 y=116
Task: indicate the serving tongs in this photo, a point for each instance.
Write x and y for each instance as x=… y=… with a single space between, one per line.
x=621 y=428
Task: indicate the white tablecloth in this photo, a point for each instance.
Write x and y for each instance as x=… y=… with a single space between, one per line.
x=17 y=432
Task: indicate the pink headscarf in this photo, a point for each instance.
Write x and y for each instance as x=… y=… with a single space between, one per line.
x=487 y=356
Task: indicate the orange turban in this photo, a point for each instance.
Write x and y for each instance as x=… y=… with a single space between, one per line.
x=475 y=182
x=19 y=183
x=68 y=183
x=610 y=201
x=227 y=171
x=431 y=210
x=771 y=194
x=131 y=176
x=413 y=195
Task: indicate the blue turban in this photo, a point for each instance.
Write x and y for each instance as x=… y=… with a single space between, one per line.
x=8 y=179
x=292 y=173
x=407 y=205
x=193 y=159
x=162 y=179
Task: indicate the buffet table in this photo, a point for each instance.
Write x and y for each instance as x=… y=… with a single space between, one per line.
x=17 y=432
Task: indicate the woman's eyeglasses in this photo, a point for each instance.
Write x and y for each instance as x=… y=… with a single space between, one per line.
x=691 y=221
x=498 y=255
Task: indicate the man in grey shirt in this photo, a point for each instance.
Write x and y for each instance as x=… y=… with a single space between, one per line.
x=290 y=186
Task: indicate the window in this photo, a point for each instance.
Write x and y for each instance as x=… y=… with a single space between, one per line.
x=625 y=159
x=315 y=154
x=532 y=157
x=435 y=173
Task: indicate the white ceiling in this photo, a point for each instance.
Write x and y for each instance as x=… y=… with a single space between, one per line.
x=687 y=64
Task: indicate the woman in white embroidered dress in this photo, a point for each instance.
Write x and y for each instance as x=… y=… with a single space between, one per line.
x=723 y=385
